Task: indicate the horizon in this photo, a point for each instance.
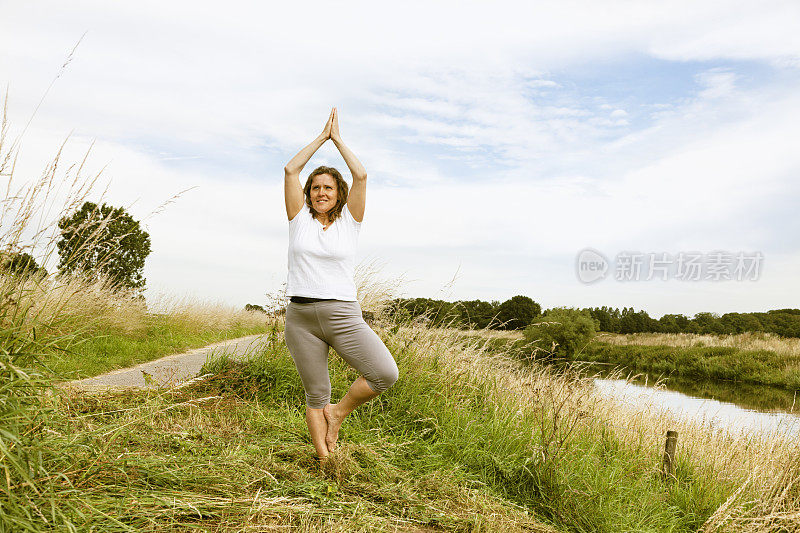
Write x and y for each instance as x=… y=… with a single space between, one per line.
x=620 y=307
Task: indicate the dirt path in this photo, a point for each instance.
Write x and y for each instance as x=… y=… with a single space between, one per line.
x=169 y=370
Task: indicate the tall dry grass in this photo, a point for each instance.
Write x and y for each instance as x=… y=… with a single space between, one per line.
x=190 y=312
x=38 y=315
x=788 y=347
x=375 y=292
x=41 y=315
x=34 y=306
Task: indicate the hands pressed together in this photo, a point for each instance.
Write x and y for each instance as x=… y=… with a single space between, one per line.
x=331 y=130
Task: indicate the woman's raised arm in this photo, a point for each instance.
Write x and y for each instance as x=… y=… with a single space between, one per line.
x=293 y=192
x=357 y=198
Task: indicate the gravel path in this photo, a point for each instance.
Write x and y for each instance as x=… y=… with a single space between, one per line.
x=170 y=370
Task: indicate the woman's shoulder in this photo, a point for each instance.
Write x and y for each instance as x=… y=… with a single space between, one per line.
x=300 y=216
x=348 y=216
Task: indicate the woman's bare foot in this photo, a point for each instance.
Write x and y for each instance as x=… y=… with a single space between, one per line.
x=334 y=423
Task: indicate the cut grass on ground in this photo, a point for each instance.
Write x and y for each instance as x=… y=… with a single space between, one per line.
x=234 y=453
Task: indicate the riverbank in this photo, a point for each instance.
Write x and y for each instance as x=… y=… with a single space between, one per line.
x=752 y=394
x=748 y=358
x=753 y=397
x=722 y=363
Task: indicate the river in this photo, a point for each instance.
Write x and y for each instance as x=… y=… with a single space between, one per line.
x=738 y=408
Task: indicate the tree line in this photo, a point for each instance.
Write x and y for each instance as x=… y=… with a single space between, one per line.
x=519 y=311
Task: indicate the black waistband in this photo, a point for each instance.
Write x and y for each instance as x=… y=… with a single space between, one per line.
x=304 y=300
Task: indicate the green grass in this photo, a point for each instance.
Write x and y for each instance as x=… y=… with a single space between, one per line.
x=235 y=451
x=98 y=351
x=433 y=453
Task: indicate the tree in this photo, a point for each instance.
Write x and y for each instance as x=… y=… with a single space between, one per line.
x=708 y=323
x=518 y=312
x=106 y=240
x=672 y=323
x=22 y=264
x=476 y=313
x=750 y=322
x=603 y=317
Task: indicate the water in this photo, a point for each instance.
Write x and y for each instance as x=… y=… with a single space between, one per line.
x=712 y=413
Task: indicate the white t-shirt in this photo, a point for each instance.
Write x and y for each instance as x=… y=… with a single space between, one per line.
x=322 y=261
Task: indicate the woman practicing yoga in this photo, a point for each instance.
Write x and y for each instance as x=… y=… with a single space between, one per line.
x=324 y=222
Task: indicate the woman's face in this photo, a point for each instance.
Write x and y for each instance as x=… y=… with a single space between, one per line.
x=323 y=193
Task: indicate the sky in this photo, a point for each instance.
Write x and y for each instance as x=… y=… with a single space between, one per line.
x=511 y=147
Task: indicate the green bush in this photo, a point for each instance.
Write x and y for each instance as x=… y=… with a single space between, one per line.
x=561 y=331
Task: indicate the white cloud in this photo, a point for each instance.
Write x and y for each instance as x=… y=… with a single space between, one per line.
x=718 y=83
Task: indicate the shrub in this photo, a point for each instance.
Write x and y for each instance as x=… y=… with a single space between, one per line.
x=561 y=331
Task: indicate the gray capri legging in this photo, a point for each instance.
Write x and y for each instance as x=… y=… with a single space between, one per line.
x=312 y=327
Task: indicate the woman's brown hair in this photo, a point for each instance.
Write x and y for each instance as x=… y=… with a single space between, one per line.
x=341 y=196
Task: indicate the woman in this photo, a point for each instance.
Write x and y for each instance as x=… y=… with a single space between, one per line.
x=324 y=222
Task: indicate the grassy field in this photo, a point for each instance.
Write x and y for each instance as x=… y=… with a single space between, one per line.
x=80 y=328
x=466 y=440
x=747 y=358
x=787 y=347
x=233 y=453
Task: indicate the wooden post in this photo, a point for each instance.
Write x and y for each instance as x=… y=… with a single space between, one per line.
x=669 y=454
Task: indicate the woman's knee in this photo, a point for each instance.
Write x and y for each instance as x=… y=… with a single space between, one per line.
x=385 y=378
